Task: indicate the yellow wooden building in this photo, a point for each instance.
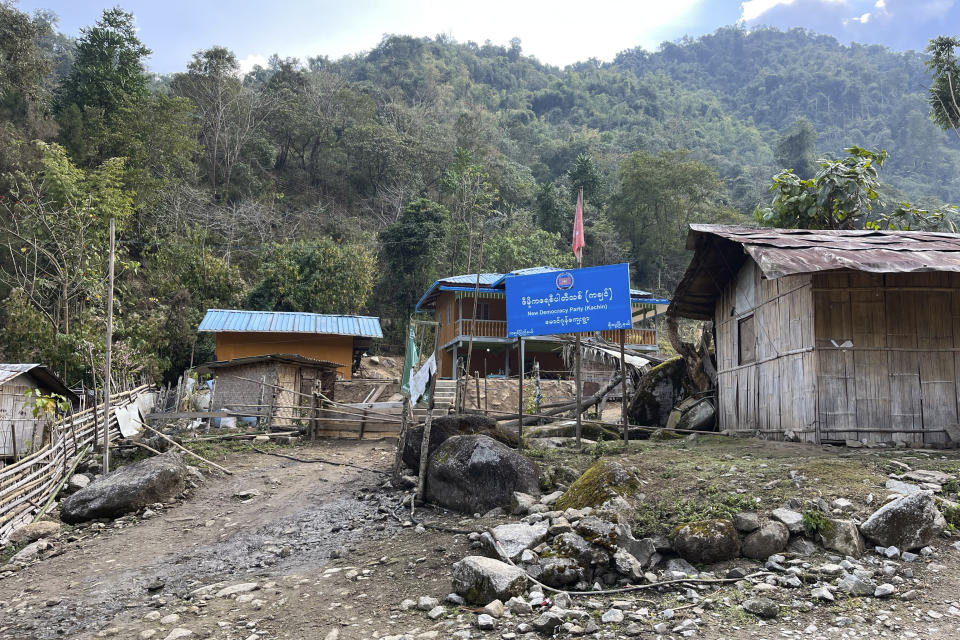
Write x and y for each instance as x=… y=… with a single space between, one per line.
x=332 y=338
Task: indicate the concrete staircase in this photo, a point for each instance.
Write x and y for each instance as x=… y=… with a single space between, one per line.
x=445 y=394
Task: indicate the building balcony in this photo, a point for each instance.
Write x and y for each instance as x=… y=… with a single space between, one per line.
x=498 y=329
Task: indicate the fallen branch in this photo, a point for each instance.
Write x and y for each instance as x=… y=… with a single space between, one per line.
x=183 y=448
x=587 y=403
x=317 y=460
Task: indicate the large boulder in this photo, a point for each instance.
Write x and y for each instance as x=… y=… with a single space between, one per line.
x=157 y=479
x=842 y=536
x=699 y=416
x=769 y=539
x=658 y=391
x=604 y=480
x=909 y=522
x=707 y=541
x=475 y=473
x=445 y=427
x=482 y=580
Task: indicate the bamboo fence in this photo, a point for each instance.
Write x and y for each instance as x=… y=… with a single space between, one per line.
x=29 y=483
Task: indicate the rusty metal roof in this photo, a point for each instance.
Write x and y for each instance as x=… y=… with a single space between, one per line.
x=721 y=250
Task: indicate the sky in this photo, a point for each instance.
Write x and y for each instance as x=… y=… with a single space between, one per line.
x=558 y=32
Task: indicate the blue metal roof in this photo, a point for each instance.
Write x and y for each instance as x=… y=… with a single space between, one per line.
x=468 y=281
x=290 y=322
x=444 y=284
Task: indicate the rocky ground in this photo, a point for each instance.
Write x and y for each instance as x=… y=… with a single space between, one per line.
x=288 y=549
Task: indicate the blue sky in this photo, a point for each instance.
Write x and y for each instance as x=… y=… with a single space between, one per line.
x=557 y=32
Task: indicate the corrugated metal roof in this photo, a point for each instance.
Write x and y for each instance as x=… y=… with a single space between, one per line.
x=11 y=371
x=41 y=373
x=721 y=250
x=471 y=278
x=290 y=322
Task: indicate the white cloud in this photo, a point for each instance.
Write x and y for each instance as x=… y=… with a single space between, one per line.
x=247 y=64
x=753 y=9
x=864 y=19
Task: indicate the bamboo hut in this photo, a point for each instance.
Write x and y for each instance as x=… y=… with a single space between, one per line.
x=830 y=336
x=20 y=431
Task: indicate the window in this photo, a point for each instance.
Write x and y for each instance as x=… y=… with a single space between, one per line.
x=746 y=340
x=483 y=311
x=448 y=313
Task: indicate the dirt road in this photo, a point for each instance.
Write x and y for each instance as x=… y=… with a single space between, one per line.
x=277 y=523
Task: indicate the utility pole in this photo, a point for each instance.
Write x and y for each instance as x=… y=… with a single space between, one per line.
x=109 y=340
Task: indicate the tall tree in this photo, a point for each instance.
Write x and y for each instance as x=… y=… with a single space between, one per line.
x=411 y=251
x=796 y=149
x=23 y=66
x=658 y=196
x=107 y=75
x=228 y=113
x=944 y=94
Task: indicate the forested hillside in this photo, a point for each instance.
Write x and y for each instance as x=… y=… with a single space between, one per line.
x=348 y=186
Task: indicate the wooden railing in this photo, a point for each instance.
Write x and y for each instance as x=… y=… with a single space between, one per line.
x=498 y=329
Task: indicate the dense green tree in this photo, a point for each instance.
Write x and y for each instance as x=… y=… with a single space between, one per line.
x=843 y=195
x=411 y=250
x=658 y=196
x=521 y=244
x=107 y=75
x=585 y=175
x=24 y=67
x=321 y=276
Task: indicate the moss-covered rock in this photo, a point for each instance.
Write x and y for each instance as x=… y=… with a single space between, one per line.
x=604 y=480
x=706 y=541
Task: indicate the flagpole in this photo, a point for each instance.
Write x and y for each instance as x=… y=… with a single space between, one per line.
x=578 y=381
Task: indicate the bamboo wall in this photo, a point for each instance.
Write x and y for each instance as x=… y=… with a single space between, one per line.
x=888 y=349
x=842 y=356
x=776 y=392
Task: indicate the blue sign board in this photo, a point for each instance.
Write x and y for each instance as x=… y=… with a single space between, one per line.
x=575 y=301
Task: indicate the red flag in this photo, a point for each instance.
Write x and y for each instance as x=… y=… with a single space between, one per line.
x=578 y=229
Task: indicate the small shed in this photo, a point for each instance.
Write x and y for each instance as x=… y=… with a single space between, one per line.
x=319 y=336
x=20 y=432
x=276 y=386
x=830 y=336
